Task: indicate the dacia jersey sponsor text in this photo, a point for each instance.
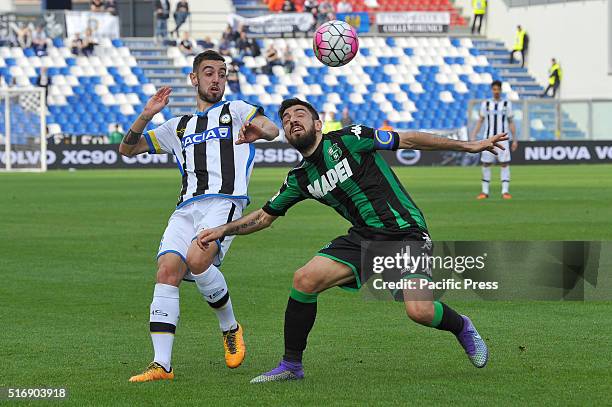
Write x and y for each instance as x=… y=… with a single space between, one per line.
x=216 y=133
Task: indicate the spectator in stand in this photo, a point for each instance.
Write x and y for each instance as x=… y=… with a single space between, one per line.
x=480 y=8
x=233 y=81
x=89 y=42
x=330 y=123
x=186 y=45
x=255 y=48
x=76 y=45
x=229 y=35
x=115 y=136
x=521 y=42
x=206 y=43
x=288 y=7
x=555 y=74
x=180 y=15
x=111 y=7
x=315 y=16
x=244 y=46
x=40 y=41
x=288 y=60
x=162 y=13
x=310 y=5
x=386 y=126
x=225 y=48
x=96 y=6
x=344 y=6
x=325 y=12
x=272 y=59
x=43 y=81
x=346 y=119
x=24 y=35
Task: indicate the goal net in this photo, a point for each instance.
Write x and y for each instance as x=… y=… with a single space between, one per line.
x=23 y=144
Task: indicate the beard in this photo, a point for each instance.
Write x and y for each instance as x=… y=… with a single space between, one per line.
x=208 y=98
x=304 y=142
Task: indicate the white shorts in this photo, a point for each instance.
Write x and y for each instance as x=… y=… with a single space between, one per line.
x=186 y=222
x=503 y=156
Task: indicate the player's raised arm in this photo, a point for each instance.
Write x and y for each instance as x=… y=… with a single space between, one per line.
x=250 y=223
x=259 y=128
x=416 y=140
x=133 y=143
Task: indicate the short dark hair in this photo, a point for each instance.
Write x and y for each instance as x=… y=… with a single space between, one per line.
x=208 y=55
x=496 y=83
x=287 y=103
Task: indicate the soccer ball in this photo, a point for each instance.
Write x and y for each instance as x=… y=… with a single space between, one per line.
x=335 y=43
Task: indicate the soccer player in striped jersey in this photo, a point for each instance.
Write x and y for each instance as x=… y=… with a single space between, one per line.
x=215 y=160
x=499 y=116
x=342 y=169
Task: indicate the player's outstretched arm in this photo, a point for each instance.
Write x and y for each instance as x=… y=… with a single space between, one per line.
x=250 y=223
x=133 y=143
x=260 y=128
x=416 y=140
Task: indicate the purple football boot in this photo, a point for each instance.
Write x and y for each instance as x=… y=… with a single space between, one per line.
x=474 y=345
x=283 y=372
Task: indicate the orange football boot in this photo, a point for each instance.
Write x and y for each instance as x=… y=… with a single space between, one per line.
x=235 y=350
x=154 y=371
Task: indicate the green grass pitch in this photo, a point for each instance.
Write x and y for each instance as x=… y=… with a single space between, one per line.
x=77 y=261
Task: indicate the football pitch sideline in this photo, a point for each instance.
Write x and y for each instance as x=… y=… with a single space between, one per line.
x=78 y=266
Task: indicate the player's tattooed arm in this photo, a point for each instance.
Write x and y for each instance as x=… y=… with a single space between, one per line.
x=260 y=128
x=131 y=138
x=133 y=144
x=250 y=223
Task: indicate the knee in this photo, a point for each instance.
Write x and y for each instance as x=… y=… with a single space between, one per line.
x=167 y=274
x=304 y=280
x=198 y=264
x=421 y=312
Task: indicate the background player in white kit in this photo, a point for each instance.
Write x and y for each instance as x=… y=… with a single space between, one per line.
x=499 y=116
x=215 y=160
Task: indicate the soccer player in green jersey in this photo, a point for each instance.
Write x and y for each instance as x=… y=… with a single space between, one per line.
x=342 y=169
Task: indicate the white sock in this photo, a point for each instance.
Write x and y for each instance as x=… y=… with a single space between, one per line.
x=505 y=179
x=163 y=318
x=486 y=179
x=213 y=288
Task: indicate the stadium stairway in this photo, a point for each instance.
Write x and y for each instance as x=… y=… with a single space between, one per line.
x=518 y=78
x=160 y=68
x=541 y=116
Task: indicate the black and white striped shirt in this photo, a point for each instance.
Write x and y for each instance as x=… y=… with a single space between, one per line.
x=210 y=162
x=496 y=114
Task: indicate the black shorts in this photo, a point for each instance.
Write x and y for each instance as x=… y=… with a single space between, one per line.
x=347 y=249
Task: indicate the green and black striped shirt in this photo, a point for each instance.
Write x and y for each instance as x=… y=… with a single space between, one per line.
x=348 y=174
